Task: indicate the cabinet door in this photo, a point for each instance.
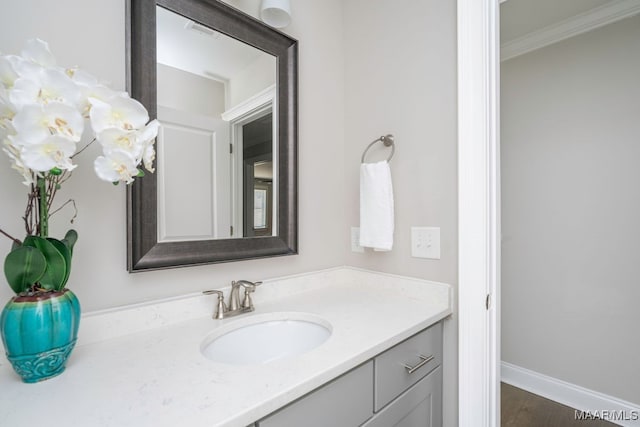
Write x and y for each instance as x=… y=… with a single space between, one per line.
x=344 y=402
x=420 y=406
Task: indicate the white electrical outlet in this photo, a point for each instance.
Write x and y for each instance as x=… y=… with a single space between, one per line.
x=355 y=240
x=425 y=242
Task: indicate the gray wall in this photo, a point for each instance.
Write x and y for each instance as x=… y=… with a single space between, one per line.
x=189 y=92
x=570 y=210
x=255 y=78
x=400 y=78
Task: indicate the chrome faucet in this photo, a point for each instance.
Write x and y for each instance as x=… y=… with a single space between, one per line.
x=234 y=307
x=221 y=308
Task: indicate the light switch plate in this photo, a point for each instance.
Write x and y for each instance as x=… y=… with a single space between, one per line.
x=425 y=242
x=355 y=240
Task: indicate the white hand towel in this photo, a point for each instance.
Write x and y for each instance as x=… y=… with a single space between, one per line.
x=376 y=206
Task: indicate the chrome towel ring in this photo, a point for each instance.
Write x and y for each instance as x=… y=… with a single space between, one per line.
x=387 y=140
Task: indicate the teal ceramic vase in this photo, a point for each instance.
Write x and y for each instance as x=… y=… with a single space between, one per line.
x=39 y=331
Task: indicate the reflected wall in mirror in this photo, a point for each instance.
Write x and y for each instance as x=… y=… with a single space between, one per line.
x=224 y=87
x=215 y=100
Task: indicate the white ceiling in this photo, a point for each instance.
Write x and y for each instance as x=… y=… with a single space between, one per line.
x=219 y=57
x=521 y=17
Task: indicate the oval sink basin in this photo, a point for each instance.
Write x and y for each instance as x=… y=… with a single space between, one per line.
x=264 y=338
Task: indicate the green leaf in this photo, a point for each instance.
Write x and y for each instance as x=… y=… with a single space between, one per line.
x=66 y=253
x=23 y=267
x=70 y=239
x=54 y=275
x=140 y=173
x=68 y=242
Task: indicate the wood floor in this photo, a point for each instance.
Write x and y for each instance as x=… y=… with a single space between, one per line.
x=523 y=409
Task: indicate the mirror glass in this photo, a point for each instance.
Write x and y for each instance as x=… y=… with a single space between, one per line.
x=215 y=97
x=225 y=88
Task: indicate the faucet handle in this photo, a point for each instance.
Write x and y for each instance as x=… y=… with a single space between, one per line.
x=249 y=285
x=249 y=288
x=247 y=302
x=221 y=308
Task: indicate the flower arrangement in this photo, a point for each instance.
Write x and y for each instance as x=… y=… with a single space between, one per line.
x=43 y=111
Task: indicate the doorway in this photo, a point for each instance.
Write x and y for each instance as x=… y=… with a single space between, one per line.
x=569 y=140
x=257 y=157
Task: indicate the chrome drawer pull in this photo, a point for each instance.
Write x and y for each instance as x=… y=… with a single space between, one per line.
x=424 y=360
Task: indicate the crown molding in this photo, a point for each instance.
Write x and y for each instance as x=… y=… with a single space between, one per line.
x=579 y=24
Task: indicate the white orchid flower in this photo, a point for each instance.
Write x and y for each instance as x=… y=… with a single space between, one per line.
x=117 y=165
x=52 y=152
x=117 y=112
x=16 y=163
x=100 y=92
x=103 y=93
x=7 y=112
x=24 y=68
x=34 y=123
x=42 y=113
x=146 y=138
x=81 y=77
x=46 y=86
x=148 y=157
x=139 y=144
x=91 y=87
x=37 y=51
x=9 y=148
x=7 y=74
x=113 y=139
x=149 y=132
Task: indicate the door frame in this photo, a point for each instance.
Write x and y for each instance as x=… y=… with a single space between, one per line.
x=237 y=163
x=479 y=213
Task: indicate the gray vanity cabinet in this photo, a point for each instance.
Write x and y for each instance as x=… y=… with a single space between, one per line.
x=420 y=406
x=344 y=402
x=401 y=387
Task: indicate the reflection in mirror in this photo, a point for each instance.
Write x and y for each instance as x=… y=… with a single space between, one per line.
x=225 y=87
x=216 y=98
x=257 y=167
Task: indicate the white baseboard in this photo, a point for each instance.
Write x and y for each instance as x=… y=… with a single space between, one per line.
x=594 y=403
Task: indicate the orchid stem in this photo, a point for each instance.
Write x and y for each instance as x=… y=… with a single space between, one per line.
x=43 y=208
x=84 y=148
x=10 y=236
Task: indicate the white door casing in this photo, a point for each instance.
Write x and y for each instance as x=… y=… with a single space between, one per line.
x=479 y=213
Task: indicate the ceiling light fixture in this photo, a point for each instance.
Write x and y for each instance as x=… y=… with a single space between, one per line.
x=276 y=13
x=201 y=29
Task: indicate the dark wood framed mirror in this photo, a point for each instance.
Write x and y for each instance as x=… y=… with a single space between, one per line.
x=275 y=232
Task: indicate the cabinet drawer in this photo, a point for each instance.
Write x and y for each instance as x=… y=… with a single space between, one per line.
x=422 y=352
x=344 y=402
x=420 y=406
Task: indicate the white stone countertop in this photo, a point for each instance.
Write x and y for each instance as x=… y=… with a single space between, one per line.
x=142 y=366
